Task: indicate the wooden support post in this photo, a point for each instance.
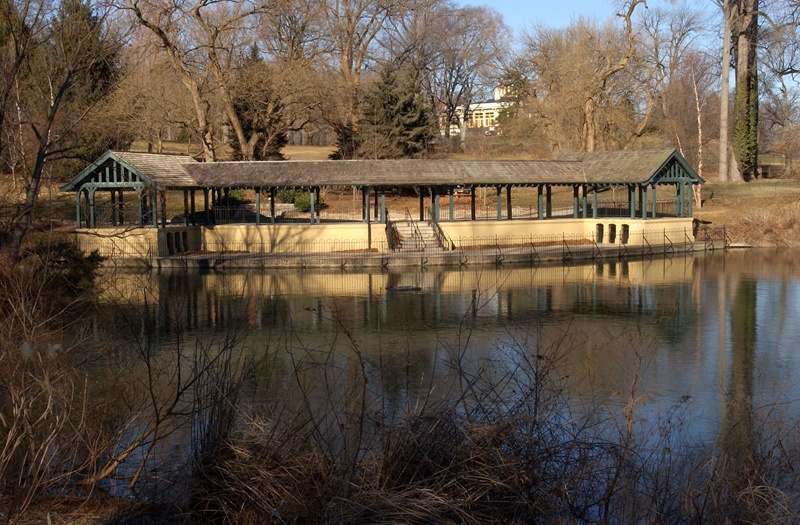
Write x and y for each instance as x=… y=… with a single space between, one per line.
x=258 y=206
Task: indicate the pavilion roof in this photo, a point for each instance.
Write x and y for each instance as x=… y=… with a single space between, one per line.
x=600 y=168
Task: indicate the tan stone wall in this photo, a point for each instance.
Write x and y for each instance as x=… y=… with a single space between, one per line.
x=119 y=242
x=481 y=233
x=294 y=238
x=150 y=242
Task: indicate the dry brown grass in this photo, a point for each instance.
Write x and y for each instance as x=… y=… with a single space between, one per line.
x=760 y=213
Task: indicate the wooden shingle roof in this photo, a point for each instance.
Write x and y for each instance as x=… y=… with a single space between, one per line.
x=159 y=171
x=165 y=170
x=384 y=172
x=601 y=168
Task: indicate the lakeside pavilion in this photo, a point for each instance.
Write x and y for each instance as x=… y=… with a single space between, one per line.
x=610 y=197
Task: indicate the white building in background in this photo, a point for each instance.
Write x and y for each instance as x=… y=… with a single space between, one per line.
x=482 y=115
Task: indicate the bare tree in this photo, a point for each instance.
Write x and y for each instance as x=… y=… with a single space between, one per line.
x=575 y=72
x=167 y=23
x=52 y=69
x=353 y=27
x=468 y=44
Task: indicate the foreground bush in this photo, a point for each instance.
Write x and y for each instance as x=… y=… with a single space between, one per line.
x=348 y=436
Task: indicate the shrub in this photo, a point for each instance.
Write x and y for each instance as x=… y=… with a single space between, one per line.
x=286 y=195
x=302 y=202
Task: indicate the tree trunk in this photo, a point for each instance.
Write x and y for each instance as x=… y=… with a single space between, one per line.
x=588 y=125
x=724 y=99
x=745 y=110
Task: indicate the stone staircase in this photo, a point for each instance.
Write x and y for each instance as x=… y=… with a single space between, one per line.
x=410 y=241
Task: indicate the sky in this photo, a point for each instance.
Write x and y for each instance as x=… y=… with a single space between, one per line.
x=521 y=14
x=524 y=14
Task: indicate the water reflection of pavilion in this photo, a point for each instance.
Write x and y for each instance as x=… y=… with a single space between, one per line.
x=268 y=299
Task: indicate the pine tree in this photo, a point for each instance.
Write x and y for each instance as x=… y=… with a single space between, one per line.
x=397 y=124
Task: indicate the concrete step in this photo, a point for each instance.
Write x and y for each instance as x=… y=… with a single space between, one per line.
x=410 y=242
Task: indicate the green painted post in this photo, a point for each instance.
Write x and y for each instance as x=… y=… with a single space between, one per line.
x=163 y=202
x=312 y=203
x=91 y=207
x=691 y=198
x=452 y=205
x=319 y=200
x=575 y=202
x=584 y=202
x=472 y=202
x=383 y=207
x=78 y=208
x=258 y=206
x=193 y=205
x=643 y=200
x=594 y=202
x=272 y=204
x=154 y=206
x=540 y=202
x=499 y=203
x=509 y=212
x=655 y=202
x=365 y=204
x=206 y=211
x=632 y=201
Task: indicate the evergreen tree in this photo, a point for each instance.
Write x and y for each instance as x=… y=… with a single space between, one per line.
x=93 y=69
x=397 y=124
x=260 y=112
x=65 y=72
x=347 y=143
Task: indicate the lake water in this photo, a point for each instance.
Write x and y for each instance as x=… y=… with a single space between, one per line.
x=669 y=334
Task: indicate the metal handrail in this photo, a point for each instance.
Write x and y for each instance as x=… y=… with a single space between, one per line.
x=416 y=235
x=441 y=237
x=392 y=235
